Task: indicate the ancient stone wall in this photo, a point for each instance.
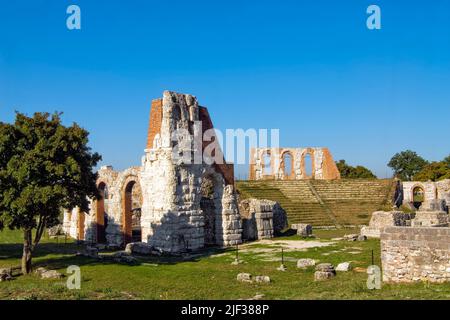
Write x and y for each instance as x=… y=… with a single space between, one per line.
x=272 y=164
x=257 y=218
x=166 y=188
x=431 y=190
x=415 y=254
x=172 y=217
x=382 y=219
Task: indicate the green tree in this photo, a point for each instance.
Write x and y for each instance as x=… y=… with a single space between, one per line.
x=358 y=172
x=44 y=166
x=406 y=164
x=433 y=172
x=447 y=160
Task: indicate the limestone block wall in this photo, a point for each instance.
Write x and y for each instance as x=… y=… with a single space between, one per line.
x=384 y=219
x=415 y=254
x=259 y=217
x=432 y=190
x=172 y=217
x=322 y=164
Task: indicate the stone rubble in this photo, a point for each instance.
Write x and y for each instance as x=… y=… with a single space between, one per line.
x=305 y=263
x=324 y=271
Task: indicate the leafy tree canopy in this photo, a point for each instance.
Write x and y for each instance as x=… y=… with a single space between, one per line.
x=433 y=172
x=358 y=172
x=44 y=166
x=406 y=164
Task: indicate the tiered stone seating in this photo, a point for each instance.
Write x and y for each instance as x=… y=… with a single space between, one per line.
x=350 y=201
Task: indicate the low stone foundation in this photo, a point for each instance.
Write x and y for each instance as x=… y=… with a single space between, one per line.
x=415 y=254
x=383 y=219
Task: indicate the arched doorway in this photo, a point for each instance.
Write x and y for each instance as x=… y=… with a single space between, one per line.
x=288 y=167
x=418 y=196
x=209 y=206
x=308 y=167
x=267 y=163
x=101 y=216
x=131 y=218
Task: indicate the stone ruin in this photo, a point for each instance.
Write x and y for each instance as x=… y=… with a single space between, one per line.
x=170 y=204
x=383 y=219
x=414 y=193
x=292 y=164
x=414 y=247
x=261 y=219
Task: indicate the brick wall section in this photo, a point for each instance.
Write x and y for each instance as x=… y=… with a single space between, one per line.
x=330 y=170
x=415 y=254
x=154 y=126
x=227 y=170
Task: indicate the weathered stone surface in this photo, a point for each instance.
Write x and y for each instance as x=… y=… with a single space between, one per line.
x=323 y=275
x=303 y=229
x=244 y=277
x=49 y=274
x=436 y=195
x=325 y=267
x=306 y=263
x=430 y=219
x=280 y=218
x=361 y=237
x=383 y=219
x=175 y=214
x=415 y=254
x=264 y=279
x=5 y=274
x=344 y=267
x=258 y=216
x=323 y=165
x=351 y=237
x=139 y=248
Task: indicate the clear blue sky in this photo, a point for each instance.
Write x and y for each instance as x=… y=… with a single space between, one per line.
x=310 y=68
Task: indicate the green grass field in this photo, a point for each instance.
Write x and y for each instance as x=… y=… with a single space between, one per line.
x=206 y=275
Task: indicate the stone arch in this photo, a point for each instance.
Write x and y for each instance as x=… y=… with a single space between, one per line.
x=211 y=189
x=266 y=163
x=287 y=164
x=101 y=220
x=307 y=164
x=417 y=194
x=131 y=209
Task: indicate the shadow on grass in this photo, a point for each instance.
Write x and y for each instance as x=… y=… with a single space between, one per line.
x=62 y=255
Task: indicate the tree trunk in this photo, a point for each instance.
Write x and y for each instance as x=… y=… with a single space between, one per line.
x=27 y=250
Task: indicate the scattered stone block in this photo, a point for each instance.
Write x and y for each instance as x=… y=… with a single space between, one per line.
x=49 y=274
x=324 y=271
x=344 y=267
x=306 y=263
x=265 y=279
x=351 y=237
x=139 y=248
x=321 y=275
x=361 y=238
x=5 y=274
x=303 y=229
x=244 y=277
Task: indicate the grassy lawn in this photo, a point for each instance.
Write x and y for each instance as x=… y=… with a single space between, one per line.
x=207 y=275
